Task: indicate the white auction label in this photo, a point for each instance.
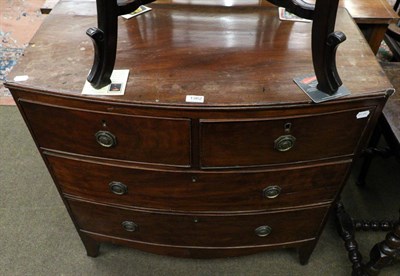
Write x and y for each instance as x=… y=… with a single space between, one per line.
x=21 y=78
x=194 y=99
x=363 y=114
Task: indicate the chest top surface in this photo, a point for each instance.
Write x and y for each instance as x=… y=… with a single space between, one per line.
x=233 y=56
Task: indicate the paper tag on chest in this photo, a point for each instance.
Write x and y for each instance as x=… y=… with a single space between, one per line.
x=194 y=99
x=363 y=114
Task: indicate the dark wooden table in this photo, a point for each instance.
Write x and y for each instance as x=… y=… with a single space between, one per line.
x=372 y=17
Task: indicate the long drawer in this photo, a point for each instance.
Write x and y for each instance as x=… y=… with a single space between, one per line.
x=141 y=139
x=197 y=190
x=198 y=230
x=233 y=143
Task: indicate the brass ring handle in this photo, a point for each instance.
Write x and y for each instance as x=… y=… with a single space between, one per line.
x=118 y=188
x=263 y=231
x=129 y=226
x=284 y=143
x=106 y=139
x=272 y=192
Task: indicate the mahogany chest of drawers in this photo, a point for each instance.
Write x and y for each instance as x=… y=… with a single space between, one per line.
x=255 y=166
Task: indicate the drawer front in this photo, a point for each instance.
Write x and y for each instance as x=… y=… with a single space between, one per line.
x=199 y=230
x=255 y=143
x=140 y=139
x=199 y=191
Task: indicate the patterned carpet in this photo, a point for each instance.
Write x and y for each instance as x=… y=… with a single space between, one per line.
x=8 y=58
x=19 y=20
x=384 y=54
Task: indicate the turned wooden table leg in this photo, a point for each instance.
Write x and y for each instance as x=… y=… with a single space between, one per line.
x=346 y=230
x=383 y=253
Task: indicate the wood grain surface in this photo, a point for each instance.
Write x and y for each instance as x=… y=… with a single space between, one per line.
x=174 y=51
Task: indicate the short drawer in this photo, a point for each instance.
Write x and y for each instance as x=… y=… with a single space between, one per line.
x=196 y=190
x=198 y=229
x=141 y=139
x=233 y=143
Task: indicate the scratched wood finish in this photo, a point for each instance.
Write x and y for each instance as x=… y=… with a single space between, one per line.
x=188 y=194
x=168 y=61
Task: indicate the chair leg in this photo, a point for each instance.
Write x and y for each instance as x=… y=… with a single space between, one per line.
x=381 y=255
x=384 y=253
x=346 y=231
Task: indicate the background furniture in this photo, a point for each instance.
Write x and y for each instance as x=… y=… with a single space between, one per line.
x=392 y=36
x=385 y=252
x=372 y=17
x=256 y=166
